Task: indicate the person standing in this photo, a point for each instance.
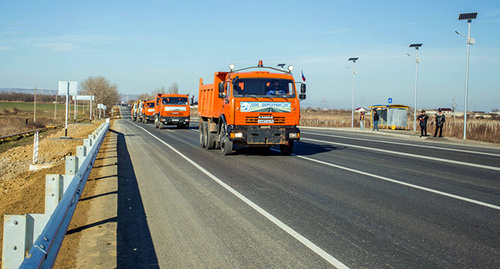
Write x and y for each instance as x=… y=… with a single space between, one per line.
x=440 y=119
x=375 y=120
x=422 y=118
x=361 y=118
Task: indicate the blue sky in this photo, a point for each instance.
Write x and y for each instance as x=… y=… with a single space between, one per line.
x=142 y=45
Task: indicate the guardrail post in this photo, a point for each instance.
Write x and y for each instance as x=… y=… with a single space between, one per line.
x=14 y=240
x=54 y=190
x=81 y=153
x=88 y=143
x=70 y=171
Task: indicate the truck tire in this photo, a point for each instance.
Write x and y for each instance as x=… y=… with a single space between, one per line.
x=226 y=146
x=287 y=148
x=210 y=139
x=202 y=134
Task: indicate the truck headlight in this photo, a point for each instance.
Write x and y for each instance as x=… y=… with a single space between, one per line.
x=293 y=135
x=236 y=135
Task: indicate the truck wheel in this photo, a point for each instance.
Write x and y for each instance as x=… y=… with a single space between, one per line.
x=210 y=140
x=186 y=126
x=226 y=146
x=202 y=134
x=205 y=134
x=287 y=148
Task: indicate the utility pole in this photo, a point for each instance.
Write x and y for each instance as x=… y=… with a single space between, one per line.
x=55 y=107
x=34 y=109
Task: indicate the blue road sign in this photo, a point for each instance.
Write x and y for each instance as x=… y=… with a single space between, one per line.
x=389 y=100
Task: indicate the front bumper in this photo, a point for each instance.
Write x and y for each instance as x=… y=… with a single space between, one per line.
x=264 y=135
x=175 y=120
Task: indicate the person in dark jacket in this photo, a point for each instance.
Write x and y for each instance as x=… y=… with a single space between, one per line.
x=361 y=120
x=440 y=119
x=375 y=120
x=422 y=119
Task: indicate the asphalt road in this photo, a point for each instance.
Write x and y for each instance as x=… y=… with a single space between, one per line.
x=346 y=200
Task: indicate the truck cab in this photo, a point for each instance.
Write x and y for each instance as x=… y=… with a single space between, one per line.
x=172 y=109
x=148 y=111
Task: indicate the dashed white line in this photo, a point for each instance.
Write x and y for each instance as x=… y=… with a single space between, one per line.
x=409 y=145
x=407 y=154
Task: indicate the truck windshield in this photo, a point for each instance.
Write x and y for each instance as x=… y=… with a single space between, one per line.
x=174 y=100
x=263 y=87
x=150 y=104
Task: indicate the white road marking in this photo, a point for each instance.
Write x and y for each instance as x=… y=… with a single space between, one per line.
x=399 y=182
x=306 y=242
x=409 y=145
x=407 y=154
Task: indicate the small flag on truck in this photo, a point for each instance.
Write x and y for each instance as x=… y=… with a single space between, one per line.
x=302 y=74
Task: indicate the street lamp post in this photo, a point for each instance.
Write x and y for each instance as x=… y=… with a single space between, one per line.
x=417 y=61
x=470 y=41
x=353 y=76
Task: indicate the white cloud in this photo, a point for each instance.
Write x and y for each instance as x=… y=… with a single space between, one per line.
x=58 y=46
x=5 y=48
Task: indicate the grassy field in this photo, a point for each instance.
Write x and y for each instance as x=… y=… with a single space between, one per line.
x=14 y=115
x=477 y=129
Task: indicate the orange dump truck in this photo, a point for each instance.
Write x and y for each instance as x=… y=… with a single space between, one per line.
x=148 y=111
x=172 y=109
x=250 y=108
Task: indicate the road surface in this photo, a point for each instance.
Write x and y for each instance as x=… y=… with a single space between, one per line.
x=345 y=200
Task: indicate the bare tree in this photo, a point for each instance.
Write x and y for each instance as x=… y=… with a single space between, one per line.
x=104 y=92
x=160 y=90
x=174 y=88
x=145 y=96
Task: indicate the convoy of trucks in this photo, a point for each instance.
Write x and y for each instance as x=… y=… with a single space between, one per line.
x=257 y=106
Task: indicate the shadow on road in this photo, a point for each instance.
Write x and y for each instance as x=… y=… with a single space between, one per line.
x=300 y=148
x=135 y=247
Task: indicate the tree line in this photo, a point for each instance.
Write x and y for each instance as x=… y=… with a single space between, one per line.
x=104 y=92
x=26 y=97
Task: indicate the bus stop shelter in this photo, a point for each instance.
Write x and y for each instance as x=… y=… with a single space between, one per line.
x=391 y=116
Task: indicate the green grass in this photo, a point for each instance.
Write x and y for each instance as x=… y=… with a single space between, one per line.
x=43 y=110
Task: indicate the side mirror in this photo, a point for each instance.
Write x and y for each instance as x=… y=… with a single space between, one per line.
x=222 y=95
x=302 y=96
x=303 y=88
x=221 y=87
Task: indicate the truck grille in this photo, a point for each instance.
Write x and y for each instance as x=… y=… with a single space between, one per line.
x=255 y=120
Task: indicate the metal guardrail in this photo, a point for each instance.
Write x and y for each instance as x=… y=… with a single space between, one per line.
x=61 y=197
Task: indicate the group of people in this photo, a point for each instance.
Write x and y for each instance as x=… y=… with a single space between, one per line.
x=422 y=118
x=440 y=119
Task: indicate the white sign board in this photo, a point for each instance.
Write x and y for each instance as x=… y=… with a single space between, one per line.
x=63 y=88
x=100 y=106
x=84 y=98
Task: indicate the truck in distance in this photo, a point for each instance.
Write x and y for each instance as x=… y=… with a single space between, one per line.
x=250 y=108
x=148 y=111
x=172 y=109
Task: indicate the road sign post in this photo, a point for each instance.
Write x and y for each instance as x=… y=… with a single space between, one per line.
x=67 y=88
